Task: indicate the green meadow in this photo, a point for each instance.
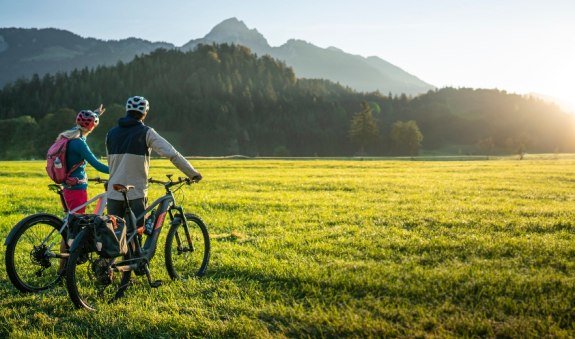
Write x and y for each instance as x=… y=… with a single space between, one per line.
x=331 y=248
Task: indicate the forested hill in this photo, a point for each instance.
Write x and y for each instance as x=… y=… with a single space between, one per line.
x=222 y=100
x=24 y=52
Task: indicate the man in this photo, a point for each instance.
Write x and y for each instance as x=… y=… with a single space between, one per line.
x=128 y=146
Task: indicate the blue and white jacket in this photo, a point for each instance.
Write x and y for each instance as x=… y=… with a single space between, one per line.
x=129 y=146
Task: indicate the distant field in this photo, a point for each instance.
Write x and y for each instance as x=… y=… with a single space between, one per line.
x=340 y=248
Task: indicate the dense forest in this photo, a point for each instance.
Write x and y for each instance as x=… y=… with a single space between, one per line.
x=223 y=100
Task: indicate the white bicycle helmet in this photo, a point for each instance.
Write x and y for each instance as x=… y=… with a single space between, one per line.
x=138 y=103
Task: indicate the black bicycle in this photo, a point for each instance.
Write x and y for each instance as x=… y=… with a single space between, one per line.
x=93 y=281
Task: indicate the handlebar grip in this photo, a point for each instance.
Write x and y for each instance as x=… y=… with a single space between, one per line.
x=98 y=180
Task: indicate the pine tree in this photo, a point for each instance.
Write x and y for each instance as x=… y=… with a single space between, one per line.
x=363 y=131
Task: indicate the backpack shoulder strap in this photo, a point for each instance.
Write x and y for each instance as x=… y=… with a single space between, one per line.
x=75 y=167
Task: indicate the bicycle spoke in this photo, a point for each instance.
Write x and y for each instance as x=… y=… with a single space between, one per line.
x=94 y=283
x=187 y=249
x=31 y=264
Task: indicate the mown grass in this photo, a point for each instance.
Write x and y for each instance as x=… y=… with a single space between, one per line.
x=340 y=248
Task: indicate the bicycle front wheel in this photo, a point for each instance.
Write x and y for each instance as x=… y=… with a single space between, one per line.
x=33 y=254
x=90 y=280
x=187 y=250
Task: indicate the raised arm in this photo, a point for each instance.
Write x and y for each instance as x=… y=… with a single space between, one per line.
x=91 y=159
x=165 y=149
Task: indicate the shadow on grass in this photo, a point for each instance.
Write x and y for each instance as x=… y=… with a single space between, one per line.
x=305 y=303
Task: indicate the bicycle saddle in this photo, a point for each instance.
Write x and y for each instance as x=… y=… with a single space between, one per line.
x=122 y=188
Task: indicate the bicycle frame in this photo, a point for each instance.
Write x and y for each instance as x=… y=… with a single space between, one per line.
x=142 y=254
x=100 y=207
x=167 y=204
x=101 y=203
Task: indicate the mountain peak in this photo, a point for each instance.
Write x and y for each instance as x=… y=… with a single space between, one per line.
x=230 y=24
x=235 y=31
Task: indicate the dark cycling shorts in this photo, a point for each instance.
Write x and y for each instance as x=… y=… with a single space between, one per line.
x=118 y=207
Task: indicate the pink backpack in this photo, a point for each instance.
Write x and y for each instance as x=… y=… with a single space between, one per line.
x=56 y=161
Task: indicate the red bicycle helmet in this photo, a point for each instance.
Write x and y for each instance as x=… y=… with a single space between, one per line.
x=87 y=119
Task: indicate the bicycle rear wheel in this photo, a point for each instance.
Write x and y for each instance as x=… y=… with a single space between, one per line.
x=187 y=250
x=33 y=259
x=90 y=280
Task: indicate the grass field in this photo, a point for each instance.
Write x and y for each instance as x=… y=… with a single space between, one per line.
x=340 y=248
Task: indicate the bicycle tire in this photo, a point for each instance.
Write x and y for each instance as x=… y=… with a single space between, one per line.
x=85 y=291
x=181 y=262
x=29 y=266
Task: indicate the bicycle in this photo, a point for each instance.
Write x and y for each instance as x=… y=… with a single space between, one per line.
x=33 y=248
x=92 y=281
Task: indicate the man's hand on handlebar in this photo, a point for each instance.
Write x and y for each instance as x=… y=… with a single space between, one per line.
x=180 y=180
x=196 y=178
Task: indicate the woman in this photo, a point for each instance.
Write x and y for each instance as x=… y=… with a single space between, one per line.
x=78 y=152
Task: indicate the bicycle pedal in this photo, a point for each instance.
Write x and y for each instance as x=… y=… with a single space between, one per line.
x=156 y=283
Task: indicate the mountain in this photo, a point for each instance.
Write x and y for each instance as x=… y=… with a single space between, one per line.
x=24 y=52
x=309 y=61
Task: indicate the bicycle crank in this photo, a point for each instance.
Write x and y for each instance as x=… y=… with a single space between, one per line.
x=155 y=283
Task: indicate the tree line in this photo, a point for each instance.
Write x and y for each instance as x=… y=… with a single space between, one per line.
x=223 y=99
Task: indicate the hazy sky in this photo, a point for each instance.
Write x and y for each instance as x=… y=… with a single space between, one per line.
x=521 y=46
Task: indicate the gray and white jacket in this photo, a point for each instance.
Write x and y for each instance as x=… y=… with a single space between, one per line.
x=128 y=146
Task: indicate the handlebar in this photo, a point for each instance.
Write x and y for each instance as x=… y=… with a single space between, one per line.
x=170 y=183
x=166 y=184
x=58 y=188
x=98 y=180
